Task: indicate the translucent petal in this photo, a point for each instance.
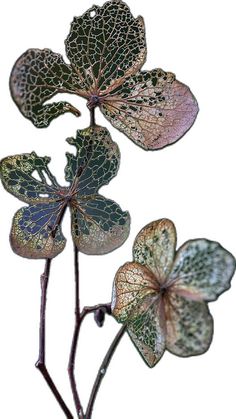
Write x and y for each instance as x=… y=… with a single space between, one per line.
x=17 y=175
x=154 y=247
x=96 y=162
x=35 y=233
x=105 y=45
x=152 y=108
x=98 y=225
x=189 y=326
x=146 y=330
x=132 y=283
x=36 y=77
x=202 y=267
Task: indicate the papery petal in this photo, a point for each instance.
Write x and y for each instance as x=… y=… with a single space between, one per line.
x=154 y=247
x=133 y=282
x=98 y=225
x=97 y=160
x=17 y=175
x=152 y=108
x=33 y=234
x=105 y=45
x=189 y=326
x=36 y=77
x=146 y=329
x=204 y=267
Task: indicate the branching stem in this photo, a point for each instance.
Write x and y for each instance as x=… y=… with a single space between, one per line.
x=41 y=363
x=71 y=365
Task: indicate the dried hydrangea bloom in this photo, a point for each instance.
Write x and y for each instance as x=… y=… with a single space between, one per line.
x=106 y=48
x=162 y=295
x=98 y=224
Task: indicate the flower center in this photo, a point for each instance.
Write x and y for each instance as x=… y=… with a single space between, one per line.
x=93 y=101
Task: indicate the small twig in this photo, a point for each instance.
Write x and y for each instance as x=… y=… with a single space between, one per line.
x=102 y=371
x=40 y=364
x=71 y=365
x=92 y=309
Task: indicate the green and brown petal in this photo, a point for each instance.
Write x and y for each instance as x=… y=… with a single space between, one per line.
x=36 y=77
x=98 y=225
x=17 y=175
x=154 y=247
x=105 y=45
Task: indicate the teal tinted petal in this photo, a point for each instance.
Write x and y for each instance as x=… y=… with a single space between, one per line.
x=202 y=267
x=189 y=326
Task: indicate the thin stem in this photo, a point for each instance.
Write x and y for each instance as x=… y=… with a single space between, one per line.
x=92 y=117
x=102 y=371
x=71 y=365
x=40 y=364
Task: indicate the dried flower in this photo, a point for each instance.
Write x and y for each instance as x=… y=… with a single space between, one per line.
x=162 y=295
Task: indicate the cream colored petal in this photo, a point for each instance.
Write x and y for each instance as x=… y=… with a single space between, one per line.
x=133 y=282
x=154 y=247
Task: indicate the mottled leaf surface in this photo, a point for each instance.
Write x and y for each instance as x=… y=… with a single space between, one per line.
x=152 y=108
x=132 y=283
x=106 y=47
x=189 y=326
x=97 y=160
x=36 y=77
x=203 y=266
x=154 y=247
x=135 y=302
x=18 y=177
x=98 y=224
x=147 y=331
x=160 y=296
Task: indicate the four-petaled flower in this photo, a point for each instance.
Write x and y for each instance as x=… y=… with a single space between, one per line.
x=162 y=295
x=107 y=49
x=98 y=224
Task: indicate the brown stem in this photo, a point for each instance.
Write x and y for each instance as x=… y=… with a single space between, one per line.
x=40 y=364
x=92 y=117
x=102 y=371
x=71 y=365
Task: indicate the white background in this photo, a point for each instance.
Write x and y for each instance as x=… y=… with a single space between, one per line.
x=191 y=182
